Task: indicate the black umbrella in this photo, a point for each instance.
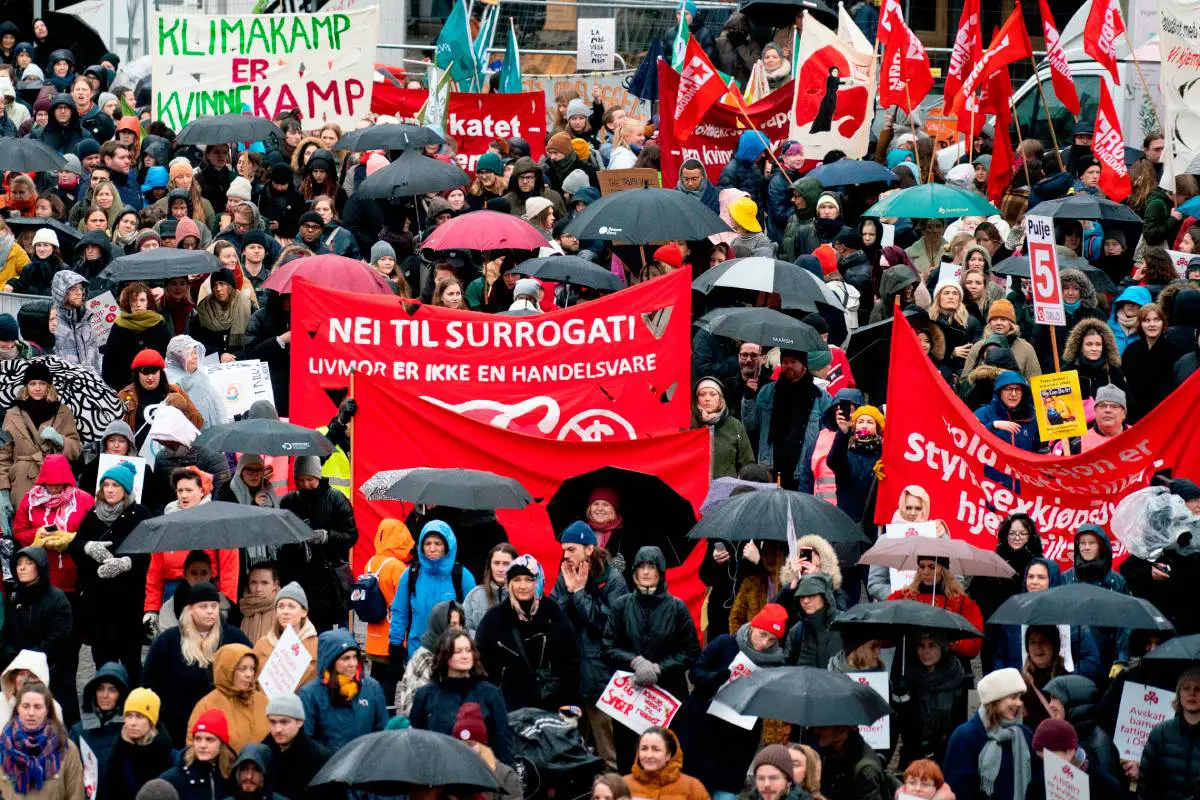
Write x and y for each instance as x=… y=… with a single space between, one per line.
x=642 y=216
x=852 y=172
x=1084 y=206
x=388 y=137
x=68 y=237
x=796 y=286
x=1018 y=267
x=216 y=526
x=1080 y=604
x=869 y=351
x=161 y=263
x=782 y=13
x=659 y=514
x=764 y=515
x=1182 y=649
x=270 y=437
x=228 y=128
x=402 y=762
x=410 y=175
x=901 y=617
x=572 y=270
x=763 y=326
x=805 y=696
x=457 y=488
x=28 y=155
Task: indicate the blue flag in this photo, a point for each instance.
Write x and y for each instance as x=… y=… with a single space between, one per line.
x=644 y=83
x=454 y=51
x=510 y=73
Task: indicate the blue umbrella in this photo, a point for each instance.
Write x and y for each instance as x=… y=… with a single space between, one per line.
x=849 y=172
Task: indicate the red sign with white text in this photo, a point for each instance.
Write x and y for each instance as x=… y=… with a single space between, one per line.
x=1043 y=272
x=474 y=121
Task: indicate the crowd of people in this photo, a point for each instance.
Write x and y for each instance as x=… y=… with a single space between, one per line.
x=461 y=636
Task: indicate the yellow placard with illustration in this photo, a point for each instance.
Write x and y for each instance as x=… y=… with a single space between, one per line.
x=1058 y=403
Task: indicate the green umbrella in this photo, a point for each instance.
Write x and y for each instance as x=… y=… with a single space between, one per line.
x=932 y=200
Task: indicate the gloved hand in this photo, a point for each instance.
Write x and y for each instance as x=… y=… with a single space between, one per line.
x=1117 y=669
x=52 y=436
x=347 y=410
x=398 y=656
x=150 y=624
x=98 y=551
x=114 y=567
x=645 y=672
x=320 y=536
x=57 y=541
x=618 y=562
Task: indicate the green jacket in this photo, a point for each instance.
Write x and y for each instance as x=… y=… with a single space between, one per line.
x=1159 y=226
x=730 y=445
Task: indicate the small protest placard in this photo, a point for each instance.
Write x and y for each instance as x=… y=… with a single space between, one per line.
x=637 y=707
x=903 y=578
x=241 y=383
x=877 y=736
x=618 y=180
x=1058 y=403
x=740 y=667
x=1180 y=261
x=91 y=769
x=102 y=313
x=1142 y=708
x=596 y=44
x=109 y=460
x=1064 y=780
x=286 y=665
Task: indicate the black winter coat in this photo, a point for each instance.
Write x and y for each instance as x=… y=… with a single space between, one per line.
x=936 y=703
x=1170 y=768
x=657 y=627
x=588 y=611
x=111 y=610
x=1148 y=373
x=549 y=645
x=37 y=617
x=178 y=684
x=157 y=490
x=129 y=766
x=854 y=471
x=200 y=781
x=295 y=767
x=314 y=566
x=856 y=773
x=435 y=708
x=267 y=323
x=124 y=344
x=37 y=276
x=747 y=176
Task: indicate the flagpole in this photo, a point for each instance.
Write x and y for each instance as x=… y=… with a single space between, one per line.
x=1049 y=119
x=1025 y=164
x=1142 y=76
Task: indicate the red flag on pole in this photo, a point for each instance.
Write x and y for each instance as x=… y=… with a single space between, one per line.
x=905 y=78
x=997 y=99
x=1009 y=45
x=1060 y=70
x=1108 y=146
x=968 y=47
x=1104 y=25
x=700 y=88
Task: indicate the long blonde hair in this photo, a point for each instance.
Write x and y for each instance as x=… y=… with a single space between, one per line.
x=960 y=313
x=198 y=650
x=950 y=585
x=812 y=769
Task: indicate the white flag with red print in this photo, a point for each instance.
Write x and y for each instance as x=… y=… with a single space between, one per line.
x=1104 y=25
x=1108 y=145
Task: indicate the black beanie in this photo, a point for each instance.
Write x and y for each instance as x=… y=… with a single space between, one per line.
x=311 y=216
x=224 y=276
x=282 y=173
x=256 y=237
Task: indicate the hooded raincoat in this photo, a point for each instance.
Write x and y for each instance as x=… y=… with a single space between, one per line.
x=245 y=711
x=331 y=717
x=412 y=604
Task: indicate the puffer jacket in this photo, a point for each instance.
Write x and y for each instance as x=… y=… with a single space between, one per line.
x=1170 y=766
x=1027 y=438
x=74 y=340
x=246 y=712
x=589 y=610
x=668 y=783
x=1113 y=643
x=1087 y=310
x=435 y=583
x=436 y=705
x=334 y=723
x=656 y=626
x=393 y=553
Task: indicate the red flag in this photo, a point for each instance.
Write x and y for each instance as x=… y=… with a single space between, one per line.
x=1004 y=161
x=1104 y=25
x=1108 y=146
x=1060 y=70
x=891 y=17
x=905 y=78
x=1009 y=45
x=700 y=88
x=968 y=46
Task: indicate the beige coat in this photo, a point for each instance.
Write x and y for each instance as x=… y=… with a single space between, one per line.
x=1022 y=351
x=21 y=459
x=66 y=785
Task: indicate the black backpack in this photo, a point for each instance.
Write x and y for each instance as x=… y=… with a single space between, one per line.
x=414 y=572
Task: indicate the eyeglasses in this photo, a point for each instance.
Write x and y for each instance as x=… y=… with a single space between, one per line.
x=1018 y=535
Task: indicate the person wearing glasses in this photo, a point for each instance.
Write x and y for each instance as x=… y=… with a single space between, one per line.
x=149 y=387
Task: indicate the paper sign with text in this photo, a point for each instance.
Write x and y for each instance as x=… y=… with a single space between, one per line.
x=110 y=460
x=286 y=666
x=1064 y=780
x=903 y=578
x=241 y=384
x=1142 y=708
x=878 y=736
x=1058 y=403
x=637 y=707
x=102 y=313
x=1043 y=272
x=618 y=180
x=597 y=43
x=91 y=769
x=740 y=667
x=1180 y=261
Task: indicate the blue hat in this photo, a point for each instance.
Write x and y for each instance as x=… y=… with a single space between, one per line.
x=690 y=7
x=123 y=473
x=156 y=178
x=579 y=532
x=10 y=331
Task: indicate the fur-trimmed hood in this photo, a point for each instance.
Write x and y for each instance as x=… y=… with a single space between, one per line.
x=1089 y=326
x=984 y=372
x=1088 y=295
x=829 y=561
x=937 y=339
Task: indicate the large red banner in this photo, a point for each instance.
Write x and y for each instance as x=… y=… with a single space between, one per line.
x=975 y=479
x=396 y=430
x=613 y=368
x=713 y=140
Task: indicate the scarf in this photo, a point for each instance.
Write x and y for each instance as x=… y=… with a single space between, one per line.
x=714 y=418
x=827 y=229
x=1072 y=307
x=40 y=411
x=179 y=310
x=141 y=321
x=107 y=512
x=30 y=757
x=58 y=508
x=125 y=239
x=771 y=657
x=231 y=318
x=1128 y=320
x=992 y=753
x=870 y=441
x=347 y=687
x=562 y=168
x=525 y=608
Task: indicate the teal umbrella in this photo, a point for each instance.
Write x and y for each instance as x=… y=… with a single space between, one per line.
x=932 y=200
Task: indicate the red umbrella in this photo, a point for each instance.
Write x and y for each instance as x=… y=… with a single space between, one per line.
x=336 y=272
x=485 y=230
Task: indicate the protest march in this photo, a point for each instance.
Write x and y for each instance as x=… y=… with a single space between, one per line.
x=753 y=400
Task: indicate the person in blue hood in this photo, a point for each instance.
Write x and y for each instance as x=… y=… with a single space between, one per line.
x=1010 y=414
x=745 y=170
x=1093 y=564
x=341 y=703
x=435 y=577
x=1008 y=641
x=1123 y=321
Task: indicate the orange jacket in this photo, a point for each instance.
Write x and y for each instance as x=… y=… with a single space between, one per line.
x=169 y=567
x=392 y=541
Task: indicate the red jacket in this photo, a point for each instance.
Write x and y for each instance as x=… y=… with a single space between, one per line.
x=169 y=567
x=960 y=604
x=27 y=522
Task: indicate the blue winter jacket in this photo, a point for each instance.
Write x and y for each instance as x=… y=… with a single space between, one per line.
x=1112 y=643
x=336 y=724
x=1027 y=438
x=1140 y=296
x=961 y=763
x=743 y=171
x=435 y=583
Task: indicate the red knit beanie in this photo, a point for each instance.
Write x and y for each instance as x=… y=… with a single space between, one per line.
x=670 y=254
x=772 y=619
x=828 y=258
x=213 y=722
x=469 y=725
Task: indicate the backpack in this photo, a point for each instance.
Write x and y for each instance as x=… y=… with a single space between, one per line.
x=366 y=598
x=414 y=572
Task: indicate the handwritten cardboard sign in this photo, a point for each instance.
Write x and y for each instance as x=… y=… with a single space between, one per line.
x=1064 y=780
x=637 y=707
x=877 y=735
x=618 y=180
x=1142 y=708
x=596 y=44
x=740 y=667
x=286 y=666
